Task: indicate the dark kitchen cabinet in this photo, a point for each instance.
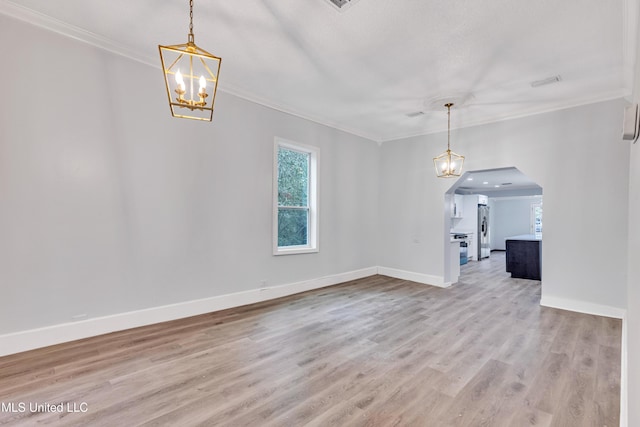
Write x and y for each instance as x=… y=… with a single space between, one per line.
x=524 y=257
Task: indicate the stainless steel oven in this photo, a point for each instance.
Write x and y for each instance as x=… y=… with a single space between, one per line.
x=464 y=246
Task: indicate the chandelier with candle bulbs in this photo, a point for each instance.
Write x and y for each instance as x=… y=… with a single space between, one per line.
x=191 y=76
x=448 y=164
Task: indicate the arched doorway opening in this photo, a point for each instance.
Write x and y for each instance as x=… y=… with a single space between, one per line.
x=485 y=208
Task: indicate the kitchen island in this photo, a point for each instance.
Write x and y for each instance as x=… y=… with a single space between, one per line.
x=524 y=256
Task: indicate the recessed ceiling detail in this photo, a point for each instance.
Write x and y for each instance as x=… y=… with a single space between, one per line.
x=498 y=183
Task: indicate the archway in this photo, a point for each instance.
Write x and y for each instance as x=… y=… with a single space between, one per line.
x=514 y=208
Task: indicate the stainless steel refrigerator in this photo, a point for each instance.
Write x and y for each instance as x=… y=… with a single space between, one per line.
x=484 y=250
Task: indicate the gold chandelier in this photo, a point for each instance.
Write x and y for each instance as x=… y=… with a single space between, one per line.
x=191 y=76
x=448 y=164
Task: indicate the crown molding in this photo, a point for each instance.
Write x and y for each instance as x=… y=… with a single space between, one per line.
x=630 y=29
x=41 y=20
x=46 y=22
x=549 y=108
x=240 y=93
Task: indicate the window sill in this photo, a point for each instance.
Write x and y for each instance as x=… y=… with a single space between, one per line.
x=292 y=250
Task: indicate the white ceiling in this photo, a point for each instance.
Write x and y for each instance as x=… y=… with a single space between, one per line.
x=364 y=69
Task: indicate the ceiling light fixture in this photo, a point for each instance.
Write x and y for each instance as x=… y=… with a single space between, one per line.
x=448 y=164
x=191 y=76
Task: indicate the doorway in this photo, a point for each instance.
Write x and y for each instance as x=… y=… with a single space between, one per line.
x=485 y=207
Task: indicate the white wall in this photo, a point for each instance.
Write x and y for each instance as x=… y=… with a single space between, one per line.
x=633 y=290
x=412 y=212
x=632 y=323
x=510 y=216
x=109 y=205
x=584 y=250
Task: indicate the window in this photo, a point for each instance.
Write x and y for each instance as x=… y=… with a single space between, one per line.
x=536 y=219
x=295 y=218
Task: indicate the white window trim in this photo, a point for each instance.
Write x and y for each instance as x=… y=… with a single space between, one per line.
x=532 y=222
x=312 y=245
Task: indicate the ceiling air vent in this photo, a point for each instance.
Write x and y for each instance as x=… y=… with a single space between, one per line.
x=415 y=114
x=547 y=81
x=343 y=5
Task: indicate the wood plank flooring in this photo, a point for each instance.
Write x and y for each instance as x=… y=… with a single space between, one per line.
x=372 y=352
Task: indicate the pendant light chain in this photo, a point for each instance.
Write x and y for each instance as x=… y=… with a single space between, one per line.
x=191 y=38
x=449 y=127
x=448 y=164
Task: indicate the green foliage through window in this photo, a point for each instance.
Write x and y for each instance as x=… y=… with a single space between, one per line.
x=293 y=197
x=292 y=227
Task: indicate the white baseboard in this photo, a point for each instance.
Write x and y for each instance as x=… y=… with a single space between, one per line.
x=35 y=338
x=582 y=307
x=426 y=279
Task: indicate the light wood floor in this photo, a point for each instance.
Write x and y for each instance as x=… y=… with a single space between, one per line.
x=372 y=352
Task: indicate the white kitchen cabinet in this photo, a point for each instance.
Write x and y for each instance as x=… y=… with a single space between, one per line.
x=457 y=208
x=472 y=249
x=455 y=261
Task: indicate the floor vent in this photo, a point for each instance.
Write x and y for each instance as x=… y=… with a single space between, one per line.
x=343 y=5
